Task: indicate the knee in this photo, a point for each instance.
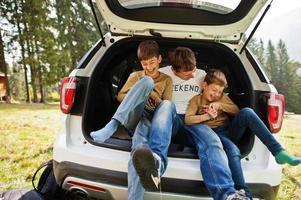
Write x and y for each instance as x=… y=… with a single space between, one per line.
x=148 y=82
x=166 y=110
x=207 y=136
x=232 y=151
x=167 y=105
x=215 y=141
x=247 y=111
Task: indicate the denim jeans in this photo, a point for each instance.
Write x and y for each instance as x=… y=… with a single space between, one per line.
x=231 y=133
x=156 y=138
x=156 y=131
x=131 y=108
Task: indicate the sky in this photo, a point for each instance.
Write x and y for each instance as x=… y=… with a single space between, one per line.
x=286 y=14
x=279 y=7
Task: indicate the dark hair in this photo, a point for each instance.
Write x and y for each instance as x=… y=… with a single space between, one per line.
x=148 y=49
x=182 y=58
x=216 y=76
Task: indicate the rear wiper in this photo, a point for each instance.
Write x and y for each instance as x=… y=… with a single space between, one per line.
x=255 y=28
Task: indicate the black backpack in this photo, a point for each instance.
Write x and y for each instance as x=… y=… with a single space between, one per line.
x=47 y=186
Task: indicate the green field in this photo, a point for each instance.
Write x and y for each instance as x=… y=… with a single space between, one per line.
x=27 y=132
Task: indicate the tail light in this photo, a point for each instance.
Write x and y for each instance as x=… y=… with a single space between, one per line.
x=67 y=94
x=275 y=111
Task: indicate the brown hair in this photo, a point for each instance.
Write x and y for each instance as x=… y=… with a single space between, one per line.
x=148 y=49
x=182 y=58
x=216 y=76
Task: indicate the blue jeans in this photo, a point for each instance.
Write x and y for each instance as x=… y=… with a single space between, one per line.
x=146 y=133
x=157 y=130
x=231 y=133
x=131 y=108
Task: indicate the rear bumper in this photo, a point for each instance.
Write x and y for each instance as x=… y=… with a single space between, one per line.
x=109 y=184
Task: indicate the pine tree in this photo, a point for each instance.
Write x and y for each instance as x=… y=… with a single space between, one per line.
x=261 y=53
x=271 y=62
x=284 y=71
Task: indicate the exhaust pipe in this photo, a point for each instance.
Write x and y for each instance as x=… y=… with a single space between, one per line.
x=79 y=193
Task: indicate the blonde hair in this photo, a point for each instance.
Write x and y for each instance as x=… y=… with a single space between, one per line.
x=216 y=76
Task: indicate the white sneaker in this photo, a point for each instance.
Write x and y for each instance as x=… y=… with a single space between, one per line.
x=148 y=167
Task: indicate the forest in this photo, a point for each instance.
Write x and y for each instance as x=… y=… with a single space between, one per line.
x=46 y=39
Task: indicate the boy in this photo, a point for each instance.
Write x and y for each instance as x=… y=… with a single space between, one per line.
x=213 y=108
x=143 y=91
x=151 y=141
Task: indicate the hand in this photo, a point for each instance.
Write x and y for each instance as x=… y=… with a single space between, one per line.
x=154 y=99
x=212 y=113
x=215 y=106
x=211 y=109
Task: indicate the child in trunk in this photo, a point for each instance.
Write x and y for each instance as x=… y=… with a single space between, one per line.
x=214 y=108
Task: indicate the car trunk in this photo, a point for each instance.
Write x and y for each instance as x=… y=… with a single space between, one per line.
x=120 y=60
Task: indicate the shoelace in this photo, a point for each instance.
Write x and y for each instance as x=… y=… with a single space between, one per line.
x=157 y=180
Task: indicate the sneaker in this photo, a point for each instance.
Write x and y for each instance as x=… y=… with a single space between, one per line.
x=238 y=195
x=148 y=166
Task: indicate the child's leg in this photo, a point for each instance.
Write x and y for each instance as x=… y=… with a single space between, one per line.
x=141 y=135
x=247 y=118
x=234 y=157
x=129 y=111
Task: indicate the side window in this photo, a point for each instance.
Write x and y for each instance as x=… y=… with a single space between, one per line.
x=122 y=71
x=119 y=76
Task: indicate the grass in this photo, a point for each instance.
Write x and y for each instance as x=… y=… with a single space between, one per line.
x=290 y=138
x=27 y=133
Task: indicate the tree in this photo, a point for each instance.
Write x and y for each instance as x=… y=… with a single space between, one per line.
x=284 y=70
x=52 y=36
x=271 y=62
x=77 y=32
x=11 y=11
x=257 y=48
x=261 y=52
x=3 y=68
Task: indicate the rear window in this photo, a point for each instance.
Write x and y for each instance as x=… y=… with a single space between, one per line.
x=216 y=6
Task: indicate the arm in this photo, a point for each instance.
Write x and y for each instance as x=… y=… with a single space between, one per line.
x=228 y=106
x=155 y=99
x=224 y=105
x=191 y=116
x=133 y=78
x=167 y=94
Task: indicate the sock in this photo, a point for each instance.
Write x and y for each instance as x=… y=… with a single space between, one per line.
x=106 y=132
x=283 y=157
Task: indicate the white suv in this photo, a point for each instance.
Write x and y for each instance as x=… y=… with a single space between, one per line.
x=215 y=33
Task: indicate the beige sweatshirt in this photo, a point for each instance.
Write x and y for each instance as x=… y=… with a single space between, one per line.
x=194 y=113
x=162 y=87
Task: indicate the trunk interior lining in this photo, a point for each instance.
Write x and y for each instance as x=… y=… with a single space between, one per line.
x=113 y=70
